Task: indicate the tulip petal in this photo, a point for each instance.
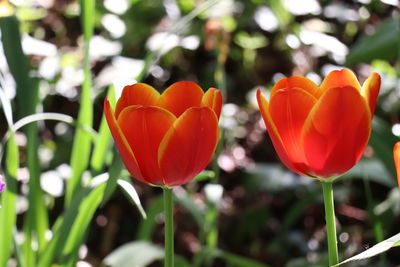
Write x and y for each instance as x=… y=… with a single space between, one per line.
x=297 y=82
x=336 y=132
x=213 y=99
x=370 y=90
x=289 y=110
x=180 y=96
x=340 y=78
x=275 y=137
x=137 y=94
x=122 y=144
x=396 y=156
x=188 y=146
x=144 y=128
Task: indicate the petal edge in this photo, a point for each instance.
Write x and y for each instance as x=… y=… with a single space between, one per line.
x=121 y=143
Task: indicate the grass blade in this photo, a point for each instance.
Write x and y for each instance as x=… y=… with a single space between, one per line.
x=36 y=222
x=114 y=173
x=79 y=229
x=81 y=147
x=375 y=250
x=8 y=198
x=104 y=138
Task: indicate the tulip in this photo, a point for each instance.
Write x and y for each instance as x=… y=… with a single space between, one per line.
x=320 y=131
x=396 y=156
x=165 y=139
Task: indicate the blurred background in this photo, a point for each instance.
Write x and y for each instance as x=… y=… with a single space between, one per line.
x=247 y=208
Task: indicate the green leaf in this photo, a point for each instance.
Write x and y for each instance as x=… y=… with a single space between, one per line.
x=114 y=173
x=9 y=196
x=133 y=195
x=375 y=250
x=383 y=44
x=247 y=41
x=82 y=141
x=36 y=222
x=382 y=141
x=283 y=15
x=103 y=139
x=18 y=65
x=137 y=254
x=373 y=170
x=62 y=228
x=80 y=226
x=204 y=176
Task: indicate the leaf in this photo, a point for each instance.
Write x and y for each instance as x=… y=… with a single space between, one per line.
x=6 y=105
x=383 y=44
x=18 y=65
x=62 y=227
x=373 y=170
x=114 y=173
x=133 y=195
x=36 y=220
x=382 y=141
x=79 y=229
x=204 y=176
x=8 y=198
x=134 y=254
x=103 y=139
x=82 y=142
x=375 y=250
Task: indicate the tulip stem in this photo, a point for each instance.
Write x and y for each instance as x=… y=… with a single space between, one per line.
x=168 y=228
x=330 y=223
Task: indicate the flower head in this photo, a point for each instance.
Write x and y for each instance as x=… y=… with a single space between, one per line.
x=165 y=139
x=320 y=131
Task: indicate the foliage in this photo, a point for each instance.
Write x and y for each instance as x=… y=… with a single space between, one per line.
x=68 y=198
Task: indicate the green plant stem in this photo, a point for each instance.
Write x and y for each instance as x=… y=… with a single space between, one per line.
x=168 y=228
x=330 y=223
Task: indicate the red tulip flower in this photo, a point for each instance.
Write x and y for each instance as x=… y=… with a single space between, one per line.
x=165 y=139
x=396 y=156
x=320 y=131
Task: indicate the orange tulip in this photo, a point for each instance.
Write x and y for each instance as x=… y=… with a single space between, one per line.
x=396 y=156
x=322 y=131
x=165 y=139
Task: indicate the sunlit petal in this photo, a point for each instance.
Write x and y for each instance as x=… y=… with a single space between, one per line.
x=275 y=137
x=340 y=78
x=370 y=90
x=180 y=96
x=188 y=146
x=297 y=82
x=336 y=132
x=288 y=110
x=213 y=99
x=144 y=128
x=137 y=94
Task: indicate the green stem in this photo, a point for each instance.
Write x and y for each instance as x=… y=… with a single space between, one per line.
x=168 y=228
x=330 y=223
